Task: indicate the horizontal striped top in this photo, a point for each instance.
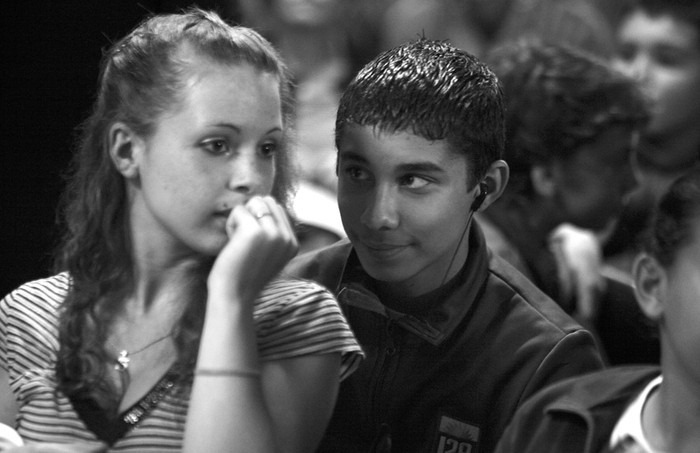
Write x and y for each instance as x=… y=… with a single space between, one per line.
x=293 y=317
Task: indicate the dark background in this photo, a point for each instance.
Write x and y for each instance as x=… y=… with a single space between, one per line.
x=50 y=56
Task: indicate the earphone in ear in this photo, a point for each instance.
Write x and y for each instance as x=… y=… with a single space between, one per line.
x=483 y=191
x=476 y=204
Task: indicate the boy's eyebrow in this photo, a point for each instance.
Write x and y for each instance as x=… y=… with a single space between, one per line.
x=409 y=167
x=422 y=167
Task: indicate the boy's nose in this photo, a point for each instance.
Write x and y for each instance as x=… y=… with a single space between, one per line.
x=381 y=212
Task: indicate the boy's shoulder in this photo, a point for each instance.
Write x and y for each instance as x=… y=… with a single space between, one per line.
x=513 y=287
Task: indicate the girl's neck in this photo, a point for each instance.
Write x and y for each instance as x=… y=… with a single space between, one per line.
x=163 y=269
x=158 y=284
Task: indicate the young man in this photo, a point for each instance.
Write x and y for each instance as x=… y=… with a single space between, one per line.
x=455 y=339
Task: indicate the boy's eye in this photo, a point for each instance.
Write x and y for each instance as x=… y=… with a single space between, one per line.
x=216 y=147
x=414 y=182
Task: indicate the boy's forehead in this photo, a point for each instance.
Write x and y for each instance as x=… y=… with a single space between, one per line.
x=372 y=144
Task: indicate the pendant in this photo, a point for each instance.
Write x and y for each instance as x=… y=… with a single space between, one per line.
x=122 y=361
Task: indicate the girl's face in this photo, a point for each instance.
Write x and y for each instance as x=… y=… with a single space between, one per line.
x=663 y=53
x=213 y=151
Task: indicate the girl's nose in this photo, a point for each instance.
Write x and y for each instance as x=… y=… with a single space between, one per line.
x=247 y=175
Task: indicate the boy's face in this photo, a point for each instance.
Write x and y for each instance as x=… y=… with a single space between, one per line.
x=592 y=183
x=404 y=203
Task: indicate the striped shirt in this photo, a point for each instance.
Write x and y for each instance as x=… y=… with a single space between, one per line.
x=293 y=317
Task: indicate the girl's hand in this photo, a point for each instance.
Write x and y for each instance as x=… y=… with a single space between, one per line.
x=261 y=242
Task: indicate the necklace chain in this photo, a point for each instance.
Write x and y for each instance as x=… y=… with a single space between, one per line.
x=123 y=358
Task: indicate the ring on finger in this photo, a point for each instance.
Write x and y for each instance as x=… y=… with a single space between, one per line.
x=261 y=215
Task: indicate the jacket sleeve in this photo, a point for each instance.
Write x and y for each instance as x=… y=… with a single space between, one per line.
x=534 y=429
x=575 y=354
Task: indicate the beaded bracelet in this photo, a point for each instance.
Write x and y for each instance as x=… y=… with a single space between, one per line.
x=227 y=372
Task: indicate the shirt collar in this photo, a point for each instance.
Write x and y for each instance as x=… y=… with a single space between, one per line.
x=442 y=317
x=630 y=423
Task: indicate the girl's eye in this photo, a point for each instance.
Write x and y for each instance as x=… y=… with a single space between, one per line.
x=269 y=149
x=216 y=147
x=414 y=182
x=356 y=173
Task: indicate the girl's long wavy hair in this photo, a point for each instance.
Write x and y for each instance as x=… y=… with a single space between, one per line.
x=142 y=76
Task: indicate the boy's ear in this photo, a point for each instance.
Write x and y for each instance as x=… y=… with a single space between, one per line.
x=496 y=179
x=543 y=180
x=651 y=282
x=125 y=148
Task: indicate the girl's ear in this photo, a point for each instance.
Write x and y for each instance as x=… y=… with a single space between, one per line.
x=125 y=149
x=651 y=283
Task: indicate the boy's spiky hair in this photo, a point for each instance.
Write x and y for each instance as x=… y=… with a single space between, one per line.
x=435 y=91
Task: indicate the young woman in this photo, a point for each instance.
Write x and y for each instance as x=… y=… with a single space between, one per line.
x=166 y=314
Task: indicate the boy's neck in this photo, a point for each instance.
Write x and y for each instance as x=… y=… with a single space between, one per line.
x=396 y=298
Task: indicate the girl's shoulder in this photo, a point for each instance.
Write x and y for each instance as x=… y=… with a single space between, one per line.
x=40 y=298
x=299 y=317
x=290 y=293
x=29 y=320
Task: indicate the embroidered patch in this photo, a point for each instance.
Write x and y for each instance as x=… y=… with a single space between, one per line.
x=455 y=436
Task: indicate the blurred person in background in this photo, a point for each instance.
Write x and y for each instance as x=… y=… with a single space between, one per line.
x=479 y=25
x=640 y=409
x=571 y=121
x=659 y=46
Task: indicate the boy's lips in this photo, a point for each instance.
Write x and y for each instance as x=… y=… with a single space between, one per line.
x=383 y=249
